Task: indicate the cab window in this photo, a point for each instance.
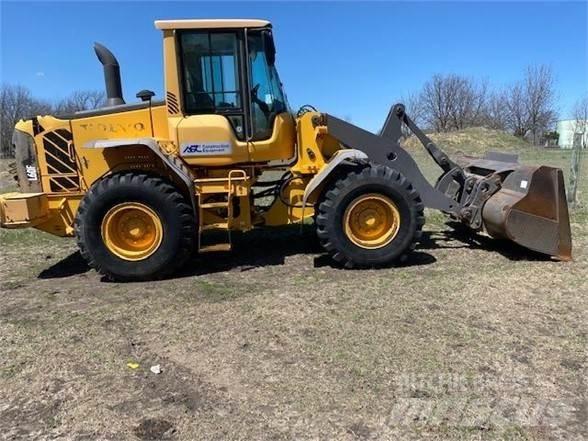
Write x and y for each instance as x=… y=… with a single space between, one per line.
x=210 y=71
x=267 y=97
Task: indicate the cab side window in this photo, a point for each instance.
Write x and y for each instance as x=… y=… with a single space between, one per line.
x=210 y=71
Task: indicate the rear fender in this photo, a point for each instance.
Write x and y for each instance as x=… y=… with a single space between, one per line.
x=173 y=163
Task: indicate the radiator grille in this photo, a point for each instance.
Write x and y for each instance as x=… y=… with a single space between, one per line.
x=61 y=168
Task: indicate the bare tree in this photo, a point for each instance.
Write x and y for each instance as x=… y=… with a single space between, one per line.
x=580 y=126
x=495 y=114
x=437 y=100
x=516 y=110
x=530 y=103
x=539 y=99
x=81 y=100
x=16 y=102
x=469 y=103
x=414 y=108
x=453 y=102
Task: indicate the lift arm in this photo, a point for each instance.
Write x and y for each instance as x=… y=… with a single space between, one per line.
x=392 y=130
x=386 y=150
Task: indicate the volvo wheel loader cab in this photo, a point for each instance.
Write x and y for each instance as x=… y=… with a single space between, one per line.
x=225 y=100
x=142 y=185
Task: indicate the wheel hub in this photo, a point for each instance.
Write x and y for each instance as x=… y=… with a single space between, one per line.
x=132 y=231
x=371 y=221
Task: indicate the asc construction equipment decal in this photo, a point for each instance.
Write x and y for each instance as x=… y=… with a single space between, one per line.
x=206 y=148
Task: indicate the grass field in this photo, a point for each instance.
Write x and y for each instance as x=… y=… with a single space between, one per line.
x=469 y=339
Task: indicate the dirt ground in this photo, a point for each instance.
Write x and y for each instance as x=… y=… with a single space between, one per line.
x=469 y=339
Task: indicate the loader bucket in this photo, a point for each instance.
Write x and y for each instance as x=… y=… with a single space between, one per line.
x=531 y=210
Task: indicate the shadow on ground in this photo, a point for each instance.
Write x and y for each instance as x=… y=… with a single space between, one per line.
x=72 y=265
x=459 y=236
x=271 y=246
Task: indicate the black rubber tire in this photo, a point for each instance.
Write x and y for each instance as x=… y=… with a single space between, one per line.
x=371 y=179
x=176 y=216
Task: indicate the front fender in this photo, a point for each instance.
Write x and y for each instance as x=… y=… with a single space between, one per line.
x=318 y=181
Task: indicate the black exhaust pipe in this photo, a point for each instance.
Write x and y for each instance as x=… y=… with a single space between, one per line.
x=111 y=75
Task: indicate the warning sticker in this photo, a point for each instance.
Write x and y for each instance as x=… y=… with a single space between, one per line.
x=31 y=172
x=205 y=148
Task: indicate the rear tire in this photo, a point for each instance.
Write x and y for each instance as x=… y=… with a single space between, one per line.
x=133 y=226
x=370 y=218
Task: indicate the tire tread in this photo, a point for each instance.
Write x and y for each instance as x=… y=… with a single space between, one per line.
x=155 y=184
x=327 y=208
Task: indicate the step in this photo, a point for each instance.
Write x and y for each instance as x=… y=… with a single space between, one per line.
x=216 y=189
x=237 y=190
x=216 y=180
x=215 y=226
x=239 y=186
x=217 y=247
x=223 y=204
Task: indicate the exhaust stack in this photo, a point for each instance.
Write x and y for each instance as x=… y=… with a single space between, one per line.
x=111 y=75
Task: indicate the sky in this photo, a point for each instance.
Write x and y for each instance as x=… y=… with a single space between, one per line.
x=352 y=59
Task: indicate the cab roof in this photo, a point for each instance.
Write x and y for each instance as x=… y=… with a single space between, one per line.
x=211 y=23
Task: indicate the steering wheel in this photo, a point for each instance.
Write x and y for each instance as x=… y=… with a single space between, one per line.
x=262 y=104
x=254 y=90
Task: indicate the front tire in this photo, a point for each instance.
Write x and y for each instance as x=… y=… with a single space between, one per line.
x=370 y=218
x=133 y=226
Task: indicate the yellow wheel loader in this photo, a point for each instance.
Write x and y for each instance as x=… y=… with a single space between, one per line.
x=141 y=185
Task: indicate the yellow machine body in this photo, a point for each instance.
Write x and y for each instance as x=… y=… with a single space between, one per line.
x=54 y=208
x=92 y=164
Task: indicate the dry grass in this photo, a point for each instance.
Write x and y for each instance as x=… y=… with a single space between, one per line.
x=475 y=141
x=469 y=339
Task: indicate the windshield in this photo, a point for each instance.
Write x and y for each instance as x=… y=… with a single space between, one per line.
x=267 y=96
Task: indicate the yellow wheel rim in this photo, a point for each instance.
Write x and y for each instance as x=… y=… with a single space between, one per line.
x=371 y=221
x=132 y=231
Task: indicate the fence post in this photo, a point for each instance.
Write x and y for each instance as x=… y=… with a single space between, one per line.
x=575 y=169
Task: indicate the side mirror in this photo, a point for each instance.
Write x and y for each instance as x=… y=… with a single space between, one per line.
x=268 y=46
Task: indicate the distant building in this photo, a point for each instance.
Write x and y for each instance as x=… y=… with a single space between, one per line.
x=570 y=130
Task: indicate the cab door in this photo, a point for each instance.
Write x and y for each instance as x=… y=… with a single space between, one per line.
x=213 y=130
x=273 y=129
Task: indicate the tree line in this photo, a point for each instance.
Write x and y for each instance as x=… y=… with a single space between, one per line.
x=526 y=108
x=17 y=102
